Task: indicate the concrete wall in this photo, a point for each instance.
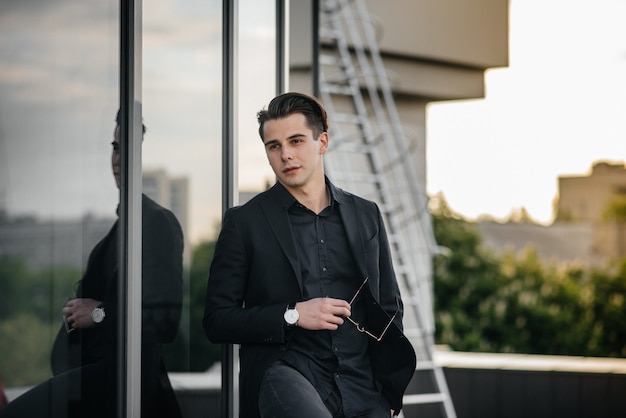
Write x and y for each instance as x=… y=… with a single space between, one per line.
x=609 y=239
x=433 y=50
x=467 y=33
x=484 y=385
x=481 y=393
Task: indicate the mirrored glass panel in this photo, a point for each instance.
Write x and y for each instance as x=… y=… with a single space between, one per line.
x=182 y=176
x=59 y=66
x=58 y=199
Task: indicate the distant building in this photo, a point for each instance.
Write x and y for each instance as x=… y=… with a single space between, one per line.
x=583 y=198
x=579 y=233
x=560 y=242
x=169 y=192
x=45 y=243
x=173 y=194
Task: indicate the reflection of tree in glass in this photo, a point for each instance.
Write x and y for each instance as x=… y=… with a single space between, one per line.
x=27 y=321
x=201 y=353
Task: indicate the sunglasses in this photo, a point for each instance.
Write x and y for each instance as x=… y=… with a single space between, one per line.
x=360 y=328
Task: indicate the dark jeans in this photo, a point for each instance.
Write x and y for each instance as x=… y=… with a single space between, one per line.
x=285 y=393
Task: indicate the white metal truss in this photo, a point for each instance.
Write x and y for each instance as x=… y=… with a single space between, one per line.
x=371 y=155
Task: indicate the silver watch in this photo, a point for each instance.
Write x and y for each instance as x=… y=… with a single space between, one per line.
x=291 y=315
x=98 y=314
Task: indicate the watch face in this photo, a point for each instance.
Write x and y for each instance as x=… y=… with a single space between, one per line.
x=97 y=315
x=291 y=316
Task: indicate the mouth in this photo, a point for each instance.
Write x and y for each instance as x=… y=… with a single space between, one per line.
x=289 y=170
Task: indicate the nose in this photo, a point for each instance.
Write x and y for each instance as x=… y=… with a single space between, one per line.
x=286 y=154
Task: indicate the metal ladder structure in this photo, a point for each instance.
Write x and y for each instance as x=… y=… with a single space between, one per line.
x=370 y=154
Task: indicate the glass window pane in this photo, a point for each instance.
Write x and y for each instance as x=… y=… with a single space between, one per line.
x=58 y=100
x=182 y=171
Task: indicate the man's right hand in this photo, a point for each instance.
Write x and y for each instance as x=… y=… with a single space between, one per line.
x=78 y=312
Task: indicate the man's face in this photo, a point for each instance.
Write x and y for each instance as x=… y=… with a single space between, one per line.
x=115 y=156
x=293 y=153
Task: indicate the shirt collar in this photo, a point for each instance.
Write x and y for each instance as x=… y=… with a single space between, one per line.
x=288 y=200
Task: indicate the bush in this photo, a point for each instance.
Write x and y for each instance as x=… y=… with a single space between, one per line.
x=520 y=303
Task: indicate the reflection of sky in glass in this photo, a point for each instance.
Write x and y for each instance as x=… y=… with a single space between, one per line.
x=59 y=95
x=182 y=101
x=57 y=101
x=256 y=89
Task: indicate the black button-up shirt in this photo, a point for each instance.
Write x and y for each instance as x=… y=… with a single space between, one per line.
x=330 y=359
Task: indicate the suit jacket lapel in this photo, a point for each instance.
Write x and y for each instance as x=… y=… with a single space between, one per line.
x=350 y=218
x=278 y=219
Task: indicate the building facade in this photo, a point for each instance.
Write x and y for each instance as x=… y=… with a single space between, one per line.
x=584 y=198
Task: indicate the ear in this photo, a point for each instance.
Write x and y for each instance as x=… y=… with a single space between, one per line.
x=323 y=138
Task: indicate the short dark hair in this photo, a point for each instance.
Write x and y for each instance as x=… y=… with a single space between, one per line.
x=117 y=122
x=289 y=103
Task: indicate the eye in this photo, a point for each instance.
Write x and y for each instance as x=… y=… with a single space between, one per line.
x=116 y=146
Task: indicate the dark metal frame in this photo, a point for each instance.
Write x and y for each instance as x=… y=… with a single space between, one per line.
x=229 y=391
x=129 y=327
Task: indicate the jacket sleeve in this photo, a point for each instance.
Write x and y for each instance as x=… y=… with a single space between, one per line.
x=239 y=278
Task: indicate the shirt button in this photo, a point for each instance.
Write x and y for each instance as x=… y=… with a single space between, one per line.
x=322 y=241
x=335 y=349
x=323 y=268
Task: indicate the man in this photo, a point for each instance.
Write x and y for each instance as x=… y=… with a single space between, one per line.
x=302 y=278
x=84 y=357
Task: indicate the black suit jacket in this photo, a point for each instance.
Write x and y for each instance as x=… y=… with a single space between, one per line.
x=255 y=273
x=91 y=352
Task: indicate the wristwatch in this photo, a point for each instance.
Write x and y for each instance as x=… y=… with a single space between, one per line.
x=98 y=314
x=291 y=315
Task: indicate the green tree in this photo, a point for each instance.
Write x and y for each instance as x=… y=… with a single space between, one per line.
x=518 y=302
x=535 y=300
x=615 y=209
x=191 y=350
x=12 y=271
x=25 y=350
x=203 y=352
x=464 y=276
x=609 y=310
x=30 y=316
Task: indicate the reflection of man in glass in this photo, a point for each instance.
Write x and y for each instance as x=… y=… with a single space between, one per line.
x=84 y=359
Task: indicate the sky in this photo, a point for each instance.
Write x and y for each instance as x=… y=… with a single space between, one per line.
x=559 y=106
